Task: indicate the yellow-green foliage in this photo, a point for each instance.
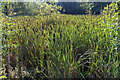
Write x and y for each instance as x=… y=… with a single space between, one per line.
x=59 y=44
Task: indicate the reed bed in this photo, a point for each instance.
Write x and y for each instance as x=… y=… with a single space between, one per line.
x=62 y=46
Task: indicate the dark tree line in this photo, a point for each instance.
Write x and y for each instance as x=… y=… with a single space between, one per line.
x=27 y=8
x=82 y=7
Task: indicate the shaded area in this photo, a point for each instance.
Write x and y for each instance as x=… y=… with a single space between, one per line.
x=74 y=8
x=82 y=7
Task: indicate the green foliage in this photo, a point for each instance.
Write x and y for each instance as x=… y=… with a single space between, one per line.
x=63 y=46
x=29 y=8
x=2 y=73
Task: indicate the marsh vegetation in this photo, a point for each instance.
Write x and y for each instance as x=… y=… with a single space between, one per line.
x=62 y=46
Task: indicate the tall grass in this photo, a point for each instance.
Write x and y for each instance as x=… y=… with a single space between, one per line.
x=62 y=46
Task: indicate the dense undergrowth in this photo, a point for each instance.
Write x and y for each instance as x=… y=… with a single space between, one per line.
x=62 y=46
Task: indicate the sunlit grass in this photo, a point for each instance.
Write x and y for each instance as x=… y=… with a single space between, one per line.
x=66 y=46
